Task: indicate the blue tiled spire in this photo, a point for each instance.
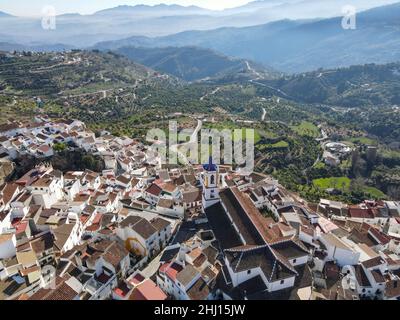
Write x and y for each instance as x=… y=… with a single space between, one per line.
x=210 y=166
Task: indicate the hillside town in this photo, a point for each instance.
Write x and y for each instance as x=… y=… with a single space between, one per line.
x=143 y=230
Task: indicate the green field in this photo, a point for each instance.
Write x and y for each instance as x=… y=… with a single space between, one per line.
x=233 y=126
x=306 y=128
x=319 y=166
x=268 y=134
x=391 y=154
x=275 y=146
x=374 y=192
x=279 y=145
x=257 y=136
x=340 y=183
x=364 y=140
x=343 y=183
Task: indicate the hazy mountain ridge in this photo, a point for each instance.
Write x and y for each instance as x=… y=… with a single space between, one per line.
x=4 y=14
x=57 y=47
x=155 y=10
x=161 y=20
x=285 y=45
x=297 y=46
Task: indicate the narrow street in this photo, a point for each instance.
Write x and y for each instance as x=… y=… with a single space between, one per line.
x=152 y=267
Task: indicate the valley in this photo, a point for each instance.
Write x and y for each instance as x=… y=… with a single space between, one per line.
x=293 y=116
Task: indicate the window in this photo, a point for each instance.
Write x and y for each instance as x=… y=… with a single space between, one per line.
x=282 y=281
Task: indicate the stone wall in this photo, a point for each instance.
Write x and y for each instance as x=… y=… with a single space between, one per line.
x=6 y=169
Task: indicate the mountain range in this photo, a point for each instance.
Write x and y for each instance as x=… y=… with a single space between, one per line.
x=4 y=15
x=296 y=46
x=161 y=20
x=303 y=41
x=156 y=10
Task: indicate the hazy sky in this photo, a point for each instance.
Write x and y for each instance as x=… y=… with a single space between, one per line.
x=34 y=7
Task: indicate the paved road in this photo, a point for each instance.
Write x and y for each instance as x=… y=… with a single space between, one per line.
x=272 y=88
x=324 y=136
x=210 y=94
x=264 y=114
x=258 y=75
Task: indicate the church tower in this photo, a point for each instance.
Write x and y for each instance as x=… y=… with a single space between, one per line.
x=209 y=181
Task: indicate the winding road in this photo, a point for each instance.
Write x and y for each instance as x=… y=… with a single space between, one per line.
x=210 y=94
x=260 y=77
x=251 y=69
x=264 y=114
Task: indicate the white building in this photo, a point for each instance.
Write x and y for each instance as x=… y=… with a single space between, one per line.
x=144 y=238
x=248 y=262
x=339 y=251
x=168 y=207
x=67 y=236
x=7 y=246
x=47 y=190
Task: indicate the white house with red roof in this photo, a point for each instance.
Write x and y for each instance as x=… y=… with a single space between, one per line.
x=152 y=194
x=44 y=151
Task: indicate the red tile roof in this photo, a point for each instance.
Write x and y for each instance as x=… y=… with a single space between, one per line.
x=383 y=239
x=260 y=222
x=154 y=190
x=148 y=290
x=44 y=148
x=138 y=278
x=361 y=213
x=21 y=227
x=171 y=270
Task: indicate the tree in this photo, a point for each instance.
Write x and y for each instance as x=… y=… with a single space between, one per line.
x=59 y=147
x=88 y=161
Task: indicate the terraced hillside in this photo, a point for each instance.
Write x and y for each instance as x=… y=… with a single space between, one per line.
x=355 y=86
x=72 y=73
x=194 y=64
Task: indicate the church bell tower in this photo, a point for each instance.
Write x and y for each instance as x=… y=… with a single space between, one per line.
x=210 y=184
